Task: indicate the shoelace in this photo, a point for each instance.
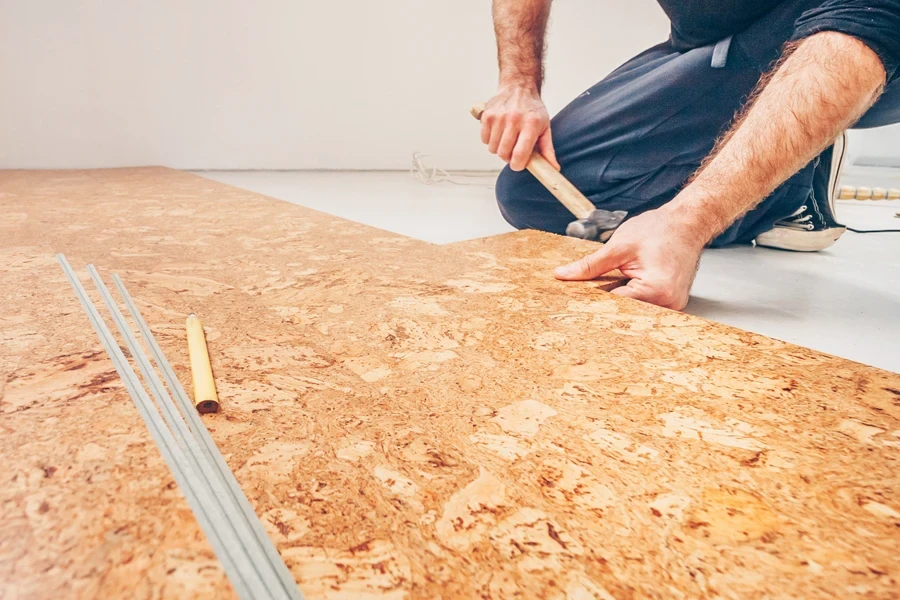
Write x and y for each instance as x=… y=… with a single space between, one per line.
x=798 y=222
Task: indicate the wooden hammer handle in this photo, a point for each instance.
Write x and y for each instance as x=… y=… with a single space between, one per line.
x=561 y=188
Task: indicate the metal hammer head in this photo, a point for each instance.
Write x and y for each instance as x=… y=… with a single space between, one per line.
x=598 y=226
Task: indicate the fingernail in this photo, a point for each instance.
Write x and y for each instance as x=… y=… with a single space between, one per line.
x=564 y=271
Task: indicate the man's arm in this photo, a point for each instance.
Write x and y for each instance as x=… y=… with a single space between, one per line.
x=515 y=120
x=822 y=87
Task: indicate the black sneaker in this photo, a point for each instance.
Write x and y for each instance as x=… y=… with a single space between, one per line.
x=813 y=226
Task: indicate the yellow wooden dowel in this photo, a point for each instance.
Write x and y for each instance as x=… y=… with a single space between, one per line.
x=850 y=192
x=205 y=398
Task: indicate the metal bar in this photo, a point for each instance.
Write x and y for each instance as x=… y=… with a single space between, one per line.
x=207 y=445
x=196 y=495
x=233 y=518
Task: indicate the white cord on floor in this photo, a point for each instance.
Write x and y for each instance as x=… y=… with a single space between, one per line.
x=422 y=172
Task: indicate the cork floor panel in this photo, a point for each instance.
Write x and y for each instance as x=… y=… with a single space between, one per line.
x=419 y=421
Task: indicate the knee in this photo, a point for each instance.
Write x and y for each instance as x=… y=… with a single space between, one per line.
x=526 y=204
x=512 y=190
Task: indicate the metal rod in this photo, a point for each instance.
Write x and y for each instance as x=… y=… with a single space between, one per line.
x=247 y=549
x=196 y=495
x=207 y=445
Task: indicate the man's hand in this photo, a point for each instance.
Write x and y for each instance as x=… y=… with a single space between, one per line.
x=821 y=87
x=515 y=123
x=516 y=120
x=656 y=250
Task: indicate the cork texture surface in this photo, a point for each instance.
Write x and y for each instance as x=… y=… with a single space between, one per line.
x=418 y=421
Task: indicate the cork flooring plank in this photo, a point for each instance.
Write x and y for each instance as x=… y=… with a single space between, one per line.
x=532 y=255
x=419 y=421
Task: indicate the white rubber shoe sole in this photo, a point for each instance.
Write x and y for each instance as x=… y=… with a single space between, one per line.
x=801 y=240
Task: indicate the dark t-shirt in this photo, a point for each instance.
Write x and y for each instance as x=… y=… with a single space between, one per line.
x=700 y=22
x=876 y=23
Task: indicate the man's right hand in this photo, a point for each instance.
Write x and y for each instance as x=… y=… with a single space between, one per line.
x=515 y=122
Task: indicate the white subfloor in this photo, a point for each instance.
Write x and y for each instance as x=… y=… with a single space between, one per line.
x=844 y=301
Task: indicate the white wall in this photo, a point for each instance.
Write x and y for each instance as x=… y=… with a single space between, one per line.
x=876 y=147
x=276 y=84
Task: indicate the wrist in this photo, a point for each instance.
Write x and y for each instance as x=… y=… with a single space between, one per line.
x=692 y=220
x=523 y=84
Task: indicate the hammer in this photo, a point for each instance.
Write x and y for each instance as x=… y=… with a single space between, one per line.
x=592 y=223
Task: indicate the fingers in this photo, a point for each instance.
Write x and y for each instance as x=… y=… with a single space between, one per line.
x=667 y=297
x=659 y=260
x=524 y=146
x=508 y=141
x=485 y=130
x=594 y=265
x=629 y=290
x=545 y=147
x=513 y=134
x=497 y=128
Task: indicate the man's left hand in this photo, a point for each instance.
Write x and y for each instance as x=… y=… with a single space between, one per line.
x=658 y=251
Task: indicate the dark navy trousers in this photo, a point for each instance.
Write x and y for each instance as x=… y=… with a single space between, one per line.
x=631 y=141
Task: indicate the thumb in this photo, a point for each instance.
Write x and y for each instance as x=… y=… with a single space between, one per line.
x=592 y=266
x=545 y=148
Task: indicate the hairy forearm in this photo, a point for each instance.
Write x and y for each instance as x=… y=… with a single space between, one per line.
x=822 y=86
x=520 y=26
